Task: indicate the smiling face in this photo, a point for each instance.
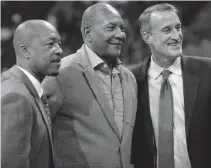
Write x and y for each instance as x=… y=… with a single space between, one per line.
x=45 y=51
x=107 y=33
x=165 y=35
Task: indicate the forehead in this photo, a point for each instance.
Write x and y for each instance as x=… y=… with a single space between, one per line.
x=163 y=18
x=47 y=33
x=108 y=16
x=46 y=29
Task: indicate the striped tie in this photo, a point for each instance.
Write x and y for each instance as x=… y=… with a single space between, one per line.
x=47 y=110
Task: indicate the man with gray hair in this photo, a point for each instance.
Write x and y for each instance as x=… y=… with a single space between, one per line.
x=172 y=127
x=26 y=138
x=93 y=99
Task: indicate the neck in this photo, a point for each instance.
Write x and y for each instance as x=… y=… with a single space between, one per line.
x=38 y=76
x=111 y=62
x=163 y=62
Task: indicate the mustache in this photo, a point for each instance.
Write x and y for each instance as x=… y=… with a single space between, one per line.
x=58 y=59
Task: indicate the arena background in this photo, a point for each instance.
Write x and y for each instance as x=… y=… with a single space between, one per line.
x=66 y=17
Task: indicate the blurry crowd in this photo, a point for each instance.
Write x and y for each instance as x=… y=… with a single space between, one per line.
x=66 y=17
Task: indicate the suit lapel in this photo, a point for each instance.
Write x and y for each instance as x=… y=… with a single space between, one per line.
x=38 y=101
x=17 y=72
x=143 y=96
x=92 y=81
x=147 y=114
x=190 y=87
x=127 y=102
x=44 y=115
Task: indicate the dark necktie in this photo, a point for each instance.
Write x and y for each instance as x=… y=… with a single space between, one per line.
x=165 y=140
x=47 y=110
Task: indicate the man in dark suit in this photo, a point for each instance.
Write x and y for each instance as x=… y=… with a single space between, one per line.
x=172 y=127
x=93 y=99
x=26 y=138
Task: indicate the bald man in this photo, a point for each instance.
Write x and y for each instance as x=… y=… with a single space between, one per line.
x=93 y=99
x=26 y=138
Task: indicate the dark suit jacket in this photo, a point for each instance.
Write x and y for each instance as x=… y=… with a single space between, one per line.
x=25 y=132
x=86 y=135
x=197 y=101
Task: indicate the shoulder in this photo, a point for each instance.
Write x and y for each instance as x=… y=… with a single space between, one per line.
x=129 y=76
x=16 y=96
x=69 y=70
x=71 y=60
x=203 y=61
x=13 y=85
x=127 y=71
x=68 y=61
x=136 y=68
x=139 y=70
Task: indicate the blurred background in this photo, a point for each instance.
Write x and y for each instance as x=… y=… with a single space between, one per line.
x=66 y=17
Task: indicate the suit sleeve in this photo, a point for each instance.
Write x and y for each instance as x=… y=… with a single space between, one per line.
x=16 y=126
x=55 y=96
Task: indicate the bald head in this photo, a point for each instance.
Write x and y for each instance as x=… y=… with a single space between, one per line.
x=94 y=12
x=27 y=31
x=37 y=48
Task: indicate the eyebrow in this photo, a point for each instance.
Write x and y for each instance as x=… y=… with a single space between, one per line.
x=170 y=25
x=53 y=38
x=115 y=23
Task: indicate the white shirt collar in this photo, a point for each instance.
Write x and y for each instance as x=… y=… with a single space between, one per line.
x=155 y=70
x=175 y=68
x=37 y=85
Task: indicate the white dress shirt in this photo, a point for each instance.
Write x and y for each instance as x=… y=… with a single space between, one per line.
x=175 y=79
x=37 y=85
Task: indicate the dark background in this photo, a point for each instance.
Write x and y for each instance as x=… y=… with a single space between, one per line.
x=66 y=17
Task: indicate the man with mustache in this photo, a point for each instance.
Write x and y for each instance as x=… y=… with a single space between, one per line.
x=93 y=99
x=172 y=127
x=26 y=138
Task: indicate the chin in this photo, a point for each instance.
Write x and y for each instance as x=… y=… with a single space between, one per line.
x=175 y=54
x=115 y=54
x=55 y=73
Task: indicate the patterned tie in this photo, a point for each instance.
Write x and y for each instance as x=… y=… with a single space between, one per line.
x=165 y=140
x=45 y=103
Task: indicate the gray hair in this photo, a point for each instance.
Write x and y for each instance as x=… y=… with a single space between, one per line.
x=144 y=19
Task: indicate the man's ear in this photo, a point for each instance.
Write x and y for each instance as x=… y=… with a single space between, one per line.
x=87 y=33
x=24 y=49
x=146 y=37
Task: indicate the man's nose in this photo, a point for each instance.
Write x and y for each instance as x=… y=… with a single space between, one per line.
x=59 y=50
x=176 y=34
x=120 y=34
